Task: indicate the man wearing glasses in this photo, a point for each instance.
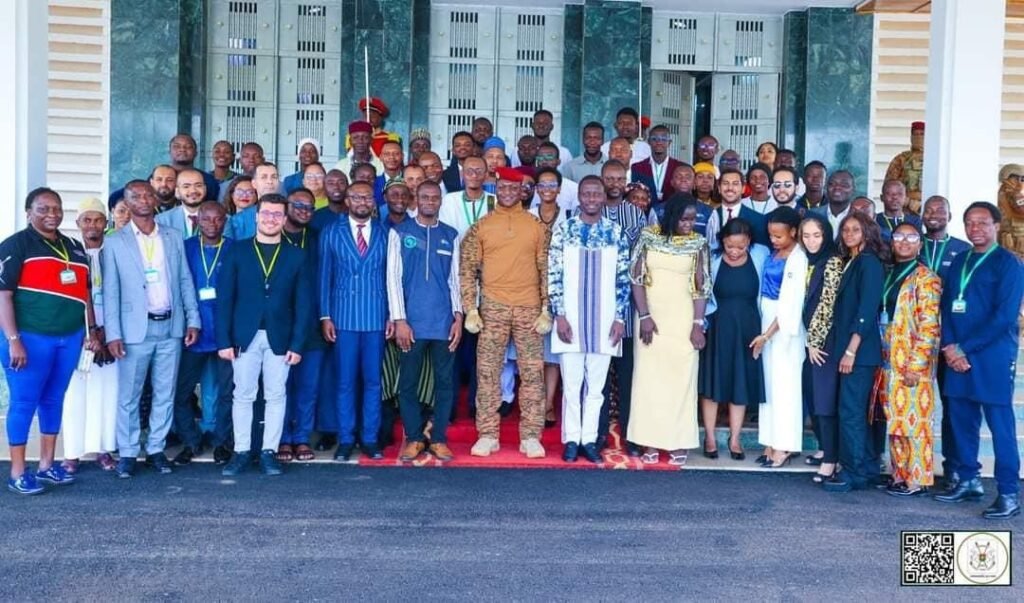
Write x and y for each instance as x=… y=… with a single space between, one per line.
x=354 y=314
x=464 y=208
x=262 y=322
x=784 y=185
x=656 y=171
x=568 y=194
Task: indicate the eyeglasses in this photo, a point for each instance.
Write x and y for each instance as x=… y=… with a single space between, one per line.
x=908 y=237
x=363 y=198
x=784 y=184
x=245 y=192
x=272 y=215
x=659 y=139
x=528 y=186
x=314 y=177
x=301 y=206
x=547 y=186
x=547 y=157
x=707 y=145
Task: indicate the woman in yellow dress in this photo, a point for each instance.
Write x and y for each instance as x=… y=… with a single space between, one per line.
x=670 y=265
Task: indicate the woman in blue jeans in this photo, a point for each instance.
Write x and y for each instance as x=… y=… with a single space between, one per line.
x=44 y=309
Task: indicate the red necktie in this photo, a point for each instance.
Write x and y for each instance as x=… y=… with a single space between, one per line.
x=361 y=245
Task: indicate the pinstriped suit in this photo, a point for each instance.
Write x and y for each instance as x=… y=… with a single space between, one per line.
x=353 y=294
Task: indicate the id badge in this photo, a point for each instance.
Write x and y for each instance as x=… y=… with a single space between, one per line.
x=959 y=306
x=67 y=277
x=207 y=293
x=97 y=298
x=883 y=319
x=152 y=275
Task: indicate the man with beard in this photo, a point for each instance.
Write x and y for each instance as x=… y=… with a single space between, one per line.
x=149 y=312
x=814 y=182
x=482 y=130
x=463 y=147
x=335 y=185
x=730 y=190
x=526 y=151
x=263 y=318
x=938 y=250
x=590 y=162
x=627 y=125
x=205 y=254
x=784 y=186
x=894 y=202
x=183 y=157
x=391 y=159
x=840 y=193
x=503 y=269
x=353 y=314
x=163 y=179
x=89 y=423
x=190 y=192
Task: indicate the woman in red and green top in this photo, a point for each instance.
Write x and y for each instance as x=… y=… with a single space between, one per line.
x=44 y=308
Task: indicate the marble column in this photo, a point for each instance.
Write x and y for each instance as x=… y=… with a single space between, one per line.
x=156 y=72
x=385 y=28
x=572 y=79
x=827 y=88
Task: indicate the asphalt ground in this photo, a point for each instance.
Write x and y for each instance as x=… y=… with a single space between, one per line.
x=344 y=533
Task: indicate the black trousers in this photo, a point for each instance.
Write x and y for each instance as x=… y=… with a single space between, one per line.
x=950 y=465
x=190 y=371
x=624 y=381
x=827 y=432
x=414 y=411
x=856 y=448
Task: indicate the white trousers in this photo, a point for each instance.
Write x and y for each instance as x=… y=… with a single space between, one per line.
x=89 y=422
x=583 y=377
x=255 y=359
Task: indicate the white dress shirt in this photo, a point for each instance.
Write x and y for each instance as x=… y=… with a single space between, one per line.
x=834 y=221
x=641 y=150
x=354 y=227
x=459 y=215
x=151 y=248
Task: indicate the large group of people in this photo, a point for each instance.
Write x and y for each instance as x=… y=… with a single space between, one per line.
x=265 y=317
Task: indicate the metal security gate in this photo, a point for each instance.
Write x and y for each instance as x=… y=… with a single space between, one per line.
x=273 y=77
x=502 y=64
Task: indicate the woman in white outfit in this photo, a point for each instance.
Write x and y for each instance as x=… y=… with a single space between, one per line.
x=780 y=420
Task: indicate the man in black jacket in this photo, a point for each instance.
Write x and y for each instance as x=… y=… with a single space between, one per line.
x=263 y=316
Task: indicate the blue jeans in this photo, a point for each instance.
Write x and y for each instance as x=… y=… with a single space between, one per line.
x=303 y=386
x=40 y=385
x=359 y=356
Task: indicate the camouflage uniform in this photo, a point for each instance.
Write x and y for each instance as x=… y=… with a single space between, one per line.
x=907 y=167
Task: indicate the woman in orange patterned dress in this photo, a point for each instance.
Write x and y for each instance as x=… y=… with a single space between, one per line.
x=904 y=383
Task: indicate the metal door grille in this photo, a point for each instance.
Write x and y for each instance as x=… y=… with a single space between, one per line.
x=530 y=40
x=529 y=88
x=744 y=139
x=462 y=90
x=312 y=28
x=241 y=127
x=749 y=43
x=310 y=77
x=682 y=45
x=463 y=32
x=745 y=97
x=243 y=24
x=242 y=78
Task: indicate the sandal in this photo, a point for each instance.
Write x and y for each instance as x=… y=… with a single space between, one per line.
x=304 y=453
x=284 y=453
x=677 y=458
x=650 y=458
x=823 y=477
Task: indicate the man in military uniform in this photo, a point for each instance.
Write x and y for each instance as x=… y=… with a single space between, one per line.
x=1011 y=204
x=908 y=166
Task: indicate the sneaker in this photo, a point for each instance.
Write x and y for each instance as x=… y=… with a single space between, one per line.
x=106 y=462
x=125 y=467
x=485 y=446
x=269 y=464
x=159 y=463
x=372 y=451
x=26 y=484
x=55 y=475
x=532 y=448
x=236 y=465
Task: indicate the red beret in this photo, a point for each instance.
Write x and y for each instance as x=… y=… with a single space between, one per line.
x=375 y=105
x=645 y=122
x=360 y=126
x=511 y=174
x=917 y=125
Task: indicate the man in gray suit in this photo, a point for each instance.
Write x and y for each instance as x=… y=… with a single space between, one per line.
x=190 y=192
x=149 y=304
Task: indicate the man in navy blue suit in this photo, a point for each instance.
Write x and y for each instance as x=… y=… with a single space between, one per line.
x=980 y=337
x=730 y=189
x=263 y=317
x=354 y=313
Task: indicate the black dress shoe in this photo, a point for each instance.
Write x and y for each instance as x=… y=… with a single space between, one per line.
x=965 y=490
x=327 y=441
x=184 y=457
x=837 y=483
x=125 y=467
x=159 y=463
x=711 y=454
x=904 y=491
x=591 y=453
x=344 y=452
x=1005 y=506
x=505 y=409
x=571 y=452
x=952 y=482
x=221 y=455
x=373 y=451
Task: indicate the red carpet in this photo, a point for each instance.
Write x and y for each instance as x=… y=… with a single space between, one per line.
x=462 y=435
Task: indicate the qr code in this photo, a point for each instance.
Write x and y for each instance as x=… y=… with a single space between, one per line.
x=928 y=558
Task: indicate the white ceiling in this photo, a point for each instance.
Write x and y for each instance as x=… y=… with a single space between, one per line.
x=759 y=7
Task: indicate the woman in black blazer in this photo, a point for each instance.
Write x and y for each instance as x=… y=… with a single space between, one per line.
x=858 y=341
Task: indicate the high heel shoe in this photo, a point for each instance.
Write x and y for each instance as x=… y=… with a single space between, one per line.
x=711 y=454
x=820 y=478
x=737 y=456
x=780 y=464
